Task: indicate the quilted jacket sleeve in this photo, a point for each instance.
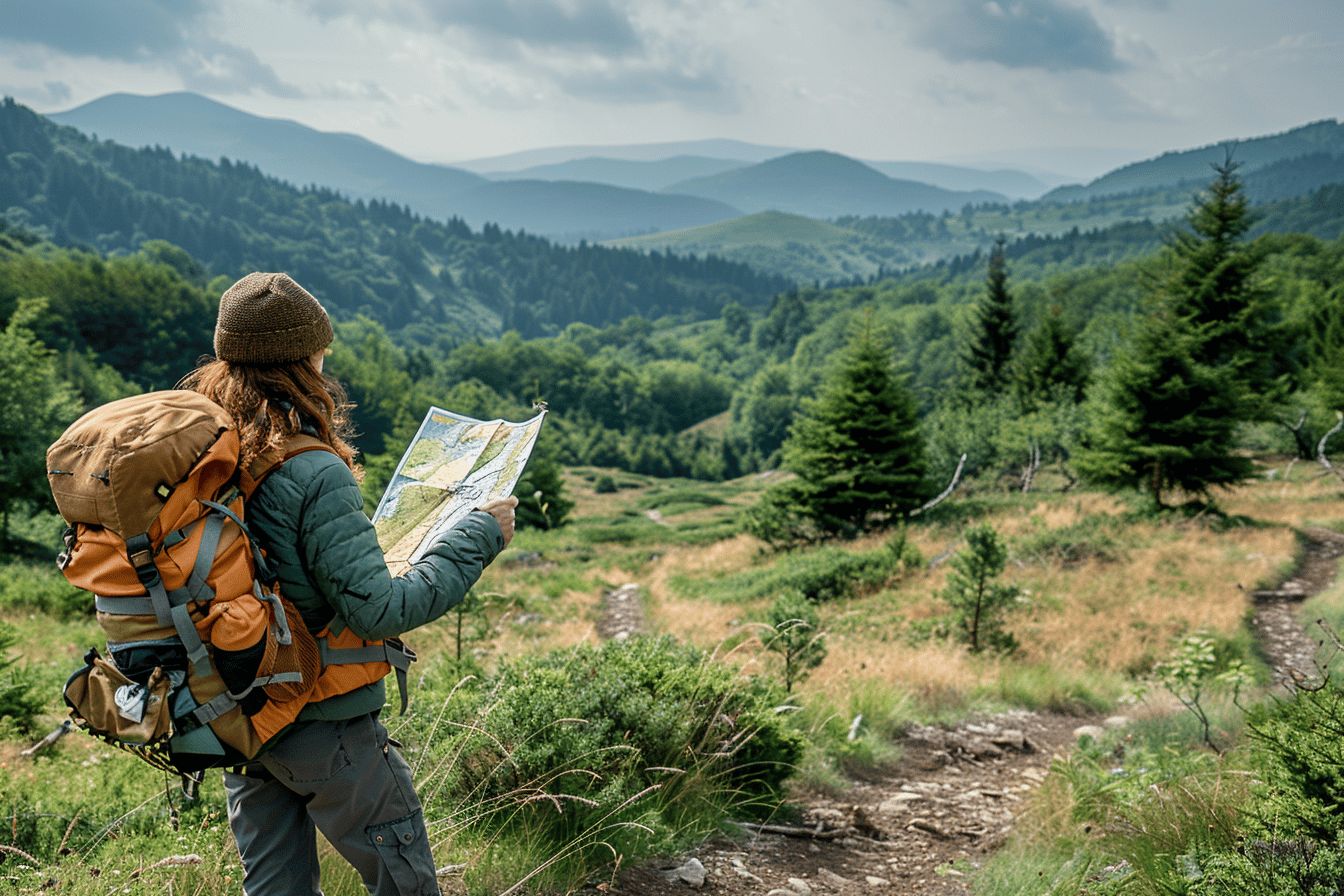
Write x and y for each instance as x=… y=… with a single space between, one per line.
x=345 y=564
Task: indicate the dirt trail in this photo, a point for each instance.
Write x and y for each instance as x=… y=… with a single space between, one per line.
x=1290 y=650
x=953 y=795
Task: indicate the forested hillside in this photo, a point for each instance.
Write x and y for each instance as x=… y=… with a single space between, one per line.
x=1321 y=139
x=1292 y=196
x=431 y=281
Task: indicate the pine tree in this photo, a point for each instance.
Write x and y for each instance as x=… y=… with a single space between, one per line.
x=1049 y=366
x=795 y=634
x=855 y=447
x=1212 y=283
x=1201 y=362
x=542 y=502
x=979 y=602
x=994 y=330
x=1162 y=420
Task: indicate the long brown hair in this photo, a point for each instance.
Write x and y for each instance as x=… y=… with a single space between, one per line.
x=272 y=402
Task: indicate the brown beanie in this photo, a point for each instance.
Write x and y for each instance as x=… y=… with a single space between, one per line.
x=269 y=319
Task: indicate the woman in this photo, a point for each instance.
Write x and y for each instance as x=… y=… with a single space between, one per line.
x=334 y=770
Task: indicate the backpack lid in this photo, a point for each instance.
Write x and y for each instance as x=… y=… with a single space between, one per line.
x=115 y=466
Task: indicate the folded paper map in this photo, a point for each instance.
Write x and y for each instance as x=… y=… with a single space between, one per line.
x=453 y=465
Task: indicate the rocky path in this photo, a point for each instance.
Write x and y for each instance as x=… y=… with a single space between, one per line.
x=1290 y=650
x=621 y=613
x=953 y=796
x=949 y=802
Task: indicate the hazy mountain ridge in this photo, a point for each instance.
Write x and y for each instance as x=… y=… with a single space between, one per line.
x=570 y=211
x=1303 y=195
x=441 y=280
x=197 y=125
x=1194 y=165
x=823 y=184
x=634 y=174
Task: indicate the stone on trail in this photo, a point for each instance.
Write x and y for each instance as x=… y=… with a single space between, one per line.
x=828 y=876
x=1113 y=722
x=742 y=871
x=800 y=886
x=1093 y=731
x=691 y=873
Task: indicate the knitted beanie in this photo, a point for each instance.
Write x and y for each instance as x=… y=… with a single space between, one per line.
x=269 y=319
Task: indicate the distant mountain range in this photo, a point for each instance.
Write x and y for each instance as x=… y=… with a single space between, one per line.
x=746 y=201
x=634 y=174
x=440 y=281
x=1304 y=194
x=825 y=185
x=660 y=173
x=731 y=150
x=1320 y=139
x=196 y=125
x=637 y=189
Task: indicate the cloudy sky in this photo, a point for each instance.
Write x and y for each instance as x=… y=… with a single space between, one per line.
x=1078 y=84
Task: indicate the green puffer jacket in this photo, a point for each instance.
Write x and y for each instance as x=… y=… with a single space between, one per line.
x=308 y=515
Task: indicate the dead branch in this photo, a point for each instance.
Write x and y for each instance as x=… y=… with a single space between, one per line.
x=943 y=495
x=47 y=741
x=787 y=830
x=1320 y=446
x=1033 y=465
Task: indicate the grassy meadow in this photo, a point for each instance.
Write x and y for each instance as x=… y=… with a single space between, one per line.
x=1107 y=592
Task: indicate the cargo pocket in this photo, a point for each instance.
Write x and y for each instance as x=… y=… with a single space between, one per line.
x=404 y=852
x=310 y=756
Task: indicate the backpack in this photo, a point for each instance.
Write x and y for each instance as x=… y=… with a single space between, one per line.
x=206 y=661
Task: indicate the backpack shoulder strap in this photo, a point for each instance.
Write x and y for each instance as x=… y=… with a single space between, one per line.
x=267 y=463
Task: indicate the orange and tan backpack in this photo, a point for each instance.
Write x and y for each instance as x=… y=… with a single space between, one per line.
x=206 y=661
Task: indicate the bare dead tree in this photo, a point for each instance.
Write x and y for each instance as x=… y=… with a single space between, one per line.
x=1320 y=446
x=943 y=495
x=1033 y=465
x=1299 y=436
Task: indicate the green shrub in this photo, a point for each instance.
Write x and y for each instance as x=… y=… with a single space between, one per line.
x=678 y=500
x=635 y=746
x=1301 y=744
x=42 y=587
x=604 y=485
x=20 y=702
x=1091 y=538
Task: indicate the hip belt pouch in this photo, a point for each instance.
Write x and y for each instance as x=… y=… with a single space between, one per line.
x=108 y=703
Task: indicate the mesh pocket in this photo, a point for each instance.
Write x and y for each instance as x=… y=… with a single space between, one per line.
x=300 y=655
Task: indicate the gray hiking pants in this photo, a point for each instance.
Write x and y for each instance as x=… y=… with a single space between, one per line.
x=341 y=778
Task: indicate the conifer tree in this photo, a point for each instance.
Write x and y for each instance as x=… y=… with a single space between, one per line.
x=994 y=330
x=1049 y=366
x=542 y=502
x=856 y=450
x=1200 y=363
x=1212 y=283
x=1163 y=420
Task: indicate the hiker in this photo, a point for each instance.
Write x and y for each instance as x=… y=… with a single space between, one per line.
x=335 y=769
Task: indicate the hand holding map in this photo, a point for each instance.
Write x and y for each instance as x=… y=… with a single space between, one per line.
x=452 y=466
